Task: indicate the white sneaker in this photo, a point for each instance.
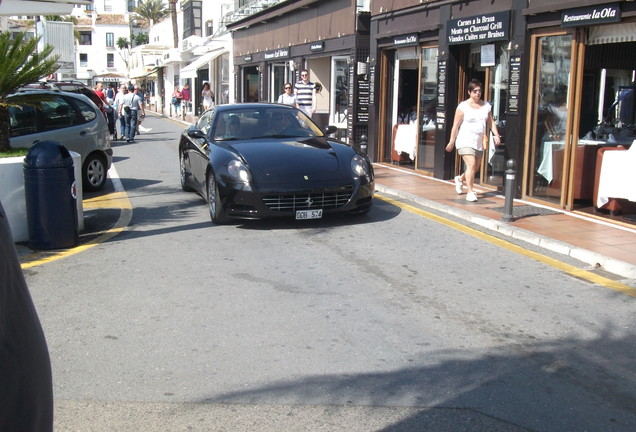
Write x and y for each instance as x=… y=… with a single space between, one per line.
x=471 y=196
x=458 y=184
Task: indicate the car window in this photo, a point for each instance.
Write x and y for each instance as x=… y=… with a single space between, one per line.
x=57 y=113
x=87 y=113
x=22 y=120
x=203 y=124
x=263 y=122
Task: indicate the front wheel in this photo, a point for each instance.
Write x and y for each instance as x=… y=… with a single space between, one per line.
x=94 y=172
x=214 y=202
x=183 y=173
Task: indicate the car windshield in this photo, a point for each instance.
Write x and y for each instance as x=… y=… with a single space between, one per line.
x=262 y=122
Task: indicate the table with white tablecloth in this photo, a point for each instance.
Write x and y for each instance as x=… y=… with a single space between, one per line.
x=549 y=147
x=406 y=139
x=617 y=178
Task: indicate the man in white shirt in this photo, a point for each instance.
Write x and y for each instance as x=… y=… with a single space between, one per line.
x=131 y=107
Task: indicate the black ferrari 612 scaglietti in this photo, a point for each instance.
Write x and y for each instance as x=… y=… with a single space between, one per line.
x=253 y=161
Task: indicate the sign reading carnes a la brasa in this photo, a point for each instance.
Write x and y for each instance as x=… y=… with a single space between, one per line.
x=479 y=28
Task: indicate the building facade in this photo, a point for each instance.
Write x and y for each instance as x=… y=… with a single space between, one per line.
x=559 y=78
x=274 y=40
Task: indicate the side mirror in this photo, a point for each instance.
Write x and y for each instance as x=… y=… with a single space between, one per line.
x=197 y=133
x=330 y=130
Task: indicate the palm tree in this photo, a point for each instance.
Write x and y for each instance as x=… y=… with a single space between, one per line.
x=150 y=12
x=175 y=29
x=124 y=44
x=20 y=64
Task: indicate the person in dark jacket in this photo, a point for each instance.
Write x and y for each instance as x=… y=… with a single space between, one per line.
x=26 y=388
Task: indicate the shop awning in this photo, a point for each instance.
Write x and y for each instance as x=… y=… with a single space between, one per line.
x=612 y=33
x=142 y=72
x=190 y=71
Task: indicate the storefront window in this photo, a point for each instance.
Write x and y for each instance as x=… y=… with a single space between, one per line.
x=428 y=111
x=222 y=80
x=280 y=76
x=250 y=84
x=553 y=65
x=498 y=99
x=340 y=95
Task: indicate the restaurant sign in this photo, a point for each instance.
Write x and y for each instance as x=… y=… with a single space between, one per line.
x=601 y=14
x=277 y=54
x=406 y=40
x=480 y=28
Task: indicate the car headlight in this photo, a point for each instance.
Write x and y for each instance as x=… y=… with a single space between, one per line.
x=239 y=172
x=359 y=166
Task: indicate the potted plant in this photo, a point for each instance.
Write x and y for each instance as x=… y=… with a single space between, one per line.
x=20 y=64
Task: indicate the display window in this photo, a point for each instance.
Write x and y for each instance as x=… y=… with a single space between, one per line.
x=582 y=104
x=340 y=96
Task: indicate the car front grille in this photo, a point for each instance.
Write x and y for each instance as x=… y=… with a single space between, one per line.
x=329 y=199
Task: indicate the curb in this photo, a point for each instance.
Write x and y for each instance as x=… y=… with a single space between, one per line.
x=594 y=259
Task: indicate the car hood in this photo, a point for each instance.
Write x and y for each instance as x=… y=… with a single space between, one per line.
x=274 y=160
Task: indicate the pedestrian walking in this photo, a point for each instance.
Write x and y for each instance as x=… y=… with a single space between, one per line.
x=471 y=126
x=177 y=96
x=287 y=97
x=123 y=91
x=208 y=96
x=305 y=91
x=131 y=107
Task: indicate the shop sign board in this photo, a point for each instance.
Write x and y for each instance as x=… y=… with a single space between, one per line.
x=364 y=94
x=514 y=87
x=317 y=46
x=441 y=85
x=247 y=58
x=600 y=14
x=406 y=40
x=277 y=54
x=479 y=28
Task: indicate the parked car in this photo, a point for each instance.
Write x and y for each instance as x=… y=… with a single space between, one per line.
x=71 y=119
x=71 y=87
x=252 y=161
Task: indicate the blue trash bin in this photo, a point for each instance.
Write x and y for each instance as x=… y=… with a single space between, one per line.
x=51 y=196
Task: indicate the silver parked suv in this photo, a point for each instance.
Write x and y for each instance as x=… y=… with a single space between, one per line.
x=71 y=119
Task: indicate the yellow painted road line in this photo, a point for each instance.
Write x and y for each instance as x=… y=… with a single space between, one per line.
x=570 y=269
x=116 y=200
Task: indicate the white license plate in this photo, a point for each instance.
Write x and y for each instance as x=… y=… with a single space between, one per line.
x=309 y=214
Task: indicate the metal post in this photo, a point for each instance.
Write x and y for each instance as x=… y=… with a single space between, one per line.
x=363 y=144
x=509 y=189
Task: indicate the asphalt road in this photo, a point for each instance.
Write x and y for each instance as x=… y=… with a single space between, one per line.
x=388 y=322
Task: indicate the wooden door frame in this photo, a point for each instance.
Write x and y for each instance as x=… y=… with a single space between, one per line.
x=566 y=199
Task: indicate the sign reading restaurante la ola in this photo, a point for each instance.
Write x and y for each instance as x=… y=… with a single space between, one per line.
x=479 y=28
x=276 y=54
x=600 y=14
x=406 y=40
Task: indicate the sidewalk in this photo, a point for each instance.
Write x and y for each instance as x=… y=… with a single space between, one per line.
x=587 y=239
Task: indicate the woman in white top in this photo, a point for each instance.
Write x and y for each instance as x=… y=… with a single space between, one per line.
x=473 y=119
x=208 y=96
x=287 y=98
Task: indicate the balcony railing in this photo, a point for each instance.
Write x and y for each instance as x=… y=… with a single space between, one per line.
x=248 y=10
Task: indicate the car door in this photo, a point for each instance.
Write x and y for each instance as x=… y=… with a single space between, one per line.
x=199 y=150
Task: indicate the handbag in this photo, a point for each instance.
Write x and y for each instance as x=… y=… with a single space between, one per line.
x=174 y=100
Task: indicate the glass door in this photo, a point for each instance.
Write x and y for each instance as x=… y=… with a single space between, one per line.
x=427 y=110
x=280 y=76
x=550 y=136
x=339 y=92
x=494 y=163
